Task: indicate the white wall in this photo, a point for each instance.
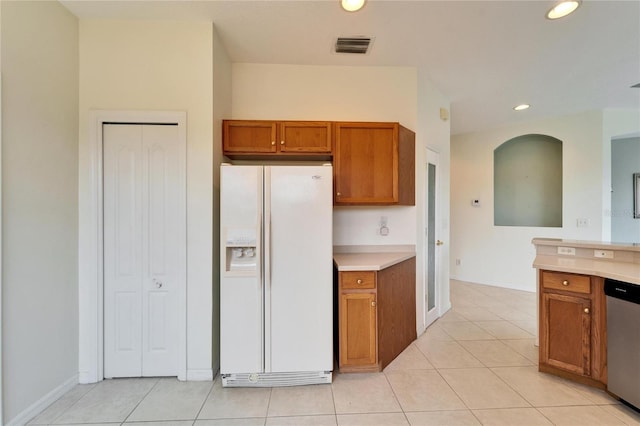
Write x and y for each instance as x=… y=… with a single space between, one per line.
x=156 y=65
x=616 y=123
x=625 y=158
x=39 y=206
x=503 y=255
x=221 y=110
x=339 y=93
x=435 y=134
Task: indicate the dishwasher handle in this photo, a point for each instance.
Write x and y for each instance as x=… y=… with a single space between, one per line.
x=622 y=290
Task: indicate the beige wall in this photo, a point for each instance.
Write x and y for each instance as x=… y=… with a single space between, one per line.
x=502 y=255
x=39 y=204
x=221 y=110
x=340 y=93
x=157 y=65
x=297 y=92
x=434 y=133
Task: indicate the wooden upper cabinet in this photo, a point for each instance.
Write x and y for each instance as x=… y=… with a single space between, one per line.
x=305 y=136
x=244 y=136
x=262 y=138
x=374 y=164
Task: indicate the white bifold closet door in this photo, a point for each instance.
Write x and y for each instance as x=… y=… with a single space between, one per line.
x=141 y=241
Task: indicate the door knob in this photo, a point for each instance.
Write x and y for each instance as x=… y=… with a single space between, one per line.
x=439 y=243
x=157 y=283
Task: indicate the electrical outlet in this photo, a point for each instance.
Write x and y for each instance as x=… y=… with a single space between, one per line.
x=603 y=254
x=568 y=251
x=582 y=222
x=383 y=229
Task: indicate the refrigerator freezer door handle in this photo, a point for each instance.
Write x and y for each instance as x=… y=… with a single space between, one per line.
x=266 y=203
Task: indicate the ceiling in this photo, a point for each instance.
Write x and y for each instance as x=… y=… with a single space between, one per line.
x=485 y=56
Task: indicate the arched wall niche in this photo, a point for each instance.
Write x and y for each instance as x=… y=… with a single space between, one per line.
x=528 y=182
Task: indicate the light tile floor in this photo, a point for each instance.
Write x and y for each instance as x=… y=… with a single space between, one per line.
x=475 y=365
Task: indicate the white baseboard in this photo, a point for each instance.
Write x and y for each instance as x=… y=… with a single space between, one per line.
x=86 y=377
x=39 y=406
x=201 y=375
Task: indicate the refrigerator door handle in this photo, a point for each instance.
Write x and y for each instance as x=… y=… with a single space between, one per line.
x=266 y=203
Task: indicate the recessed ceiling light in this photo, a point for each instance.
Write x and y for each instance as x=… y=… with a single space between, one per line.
x=522 y=107
x=352 y=5
x=563 y=8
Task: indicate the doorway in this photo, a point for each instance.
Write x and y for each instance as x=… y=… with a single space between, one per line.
x=432 y=241
x=93 y=269
x=140 y=202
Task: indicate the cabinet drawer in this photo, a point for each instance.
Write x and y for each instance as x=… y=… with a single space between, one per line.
x=358 y=279
x=566 y=282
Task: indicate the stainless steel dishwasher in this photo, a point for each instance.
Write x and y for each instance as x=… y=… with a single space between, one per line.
x=623 y=340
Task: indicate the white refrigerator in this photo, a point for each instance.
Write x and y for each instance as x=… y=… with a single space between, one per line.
x=276 y=275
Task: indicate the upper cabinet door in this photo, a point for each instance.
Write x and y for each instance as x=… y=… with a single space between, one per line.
x=374 y=164
x=245 y=136
x=305 y=136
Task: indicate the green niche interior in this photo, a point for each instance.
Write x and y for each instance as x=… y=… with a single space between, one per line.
x=527 y=182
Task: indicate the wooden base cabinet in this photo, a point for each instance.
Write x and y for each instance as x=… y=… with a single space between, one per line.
x=377 y=316
x=572 y=331
x=358 y=329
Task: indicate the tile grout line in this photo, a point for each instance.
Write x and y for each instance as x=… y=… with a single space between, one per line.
x=53 y=421
x=333 y=397
x=141 y=399
x=213 y=383
x=395 y=396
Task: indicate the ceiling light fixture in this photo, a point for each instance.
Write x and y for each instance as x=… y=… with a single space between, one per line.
x=522 y=107
x=352 y=5
x=563 y=8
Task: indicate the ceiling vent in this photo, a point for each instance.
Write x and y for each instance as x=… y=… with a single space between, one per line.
x=636 y=86
x=355 y=45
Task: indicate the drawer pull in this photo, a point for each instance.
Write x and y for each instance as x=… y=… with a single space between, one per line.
x=359 y=281
x=565 y=283
x=586 y=310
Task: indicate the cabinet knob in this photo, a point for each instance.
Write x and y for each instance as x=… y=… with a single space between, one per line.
x=338 y=194
x=586 y=310
x=273 y=142
x=373 y=304
x=359 y=281
x=565 y=283
x=281 y=142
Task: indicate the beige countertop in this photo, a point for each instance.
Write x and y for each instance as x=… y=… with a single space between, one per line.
x=372 y=261
x=604 y=245
x=623 y=265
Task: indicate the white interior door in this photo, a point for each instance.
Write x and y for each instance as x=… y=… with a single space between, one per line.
x=432 y=261
x=141 y=249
